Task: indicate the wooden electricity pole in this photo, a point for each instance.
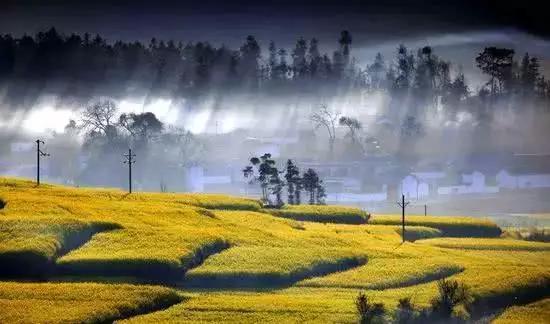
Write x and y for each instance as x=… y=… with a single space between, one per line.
x=39 y=154
x=130 y=160
x=403 y=204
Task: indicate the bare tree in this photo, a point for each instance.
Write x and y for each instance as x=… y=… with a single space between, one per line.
x=328 y=120
x=353 y=125
x=100 y=117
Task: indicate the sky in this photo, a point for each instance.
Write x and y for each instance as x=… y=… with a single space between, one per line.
x=283 y=20
x=456 y=29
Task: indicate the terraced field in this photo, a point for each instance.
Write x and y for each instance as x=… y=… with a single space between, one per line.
x=98 y=255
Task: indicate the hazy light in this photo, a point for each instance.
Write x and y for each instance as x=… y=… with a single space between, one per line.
x=164 y=109
x=47 y=118
x=197 y=122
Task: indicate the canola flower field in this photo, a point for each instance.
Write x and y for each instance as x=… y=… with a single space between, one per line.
x=98 y=255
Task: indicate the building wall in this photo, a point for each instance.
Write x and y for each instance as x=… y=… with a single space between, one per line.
x=508 y=181
x=356 y=198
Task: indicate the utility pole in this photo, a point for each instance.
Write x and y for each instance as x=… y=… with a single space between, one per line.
x=403 y=204
x=130 y=160
x=39 y=154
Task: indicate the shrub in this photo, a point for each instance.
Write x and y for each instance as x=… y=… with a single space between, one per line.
x=405 y=311
x=368 y=312
x=539 y=235
x=528 y=234
x=451 y=294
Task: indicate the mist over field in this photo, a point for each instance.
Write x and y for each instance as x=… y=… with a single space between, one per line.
x=366 y=108
x=286 y=161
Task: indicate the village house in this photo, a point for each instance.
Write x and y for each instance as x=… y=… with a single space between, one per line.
x=527 y=171
x=472 y=183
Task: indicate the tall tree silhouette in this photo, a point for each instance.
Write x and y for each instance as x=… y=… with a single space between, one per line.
x=328 y=120
x=292 y=177
x=311 y=184
x=497 y=63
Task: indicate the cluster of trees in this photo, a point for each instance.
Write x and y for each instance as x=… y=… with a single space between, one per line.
x=421 y=84
x=418 y=82
x=162 y=151
x=86 y=66
x=264 y=171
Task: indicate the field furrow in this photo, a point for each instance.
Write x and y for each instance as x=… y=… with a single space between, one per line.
x=234 y=262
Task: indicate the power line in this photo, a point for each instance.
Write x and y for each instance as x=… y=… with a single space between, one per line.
x=129 y=160
x=403 y=204
x=39 y=154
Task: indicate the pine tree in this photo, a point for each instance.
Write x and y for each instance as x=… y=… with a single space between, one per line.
x=311 y=184
x=299 y=64
x=320 y=193
x=314 y=58
x=272 y=60
x=292 y=177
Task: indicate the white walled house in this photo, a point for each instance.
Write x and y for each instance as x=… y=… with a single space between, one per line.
x=428 y=182
x=429 y=175
x=476 y=180
x=348 y=198
x=198 y=179
x=414 y=188
x=472 y=183
x=522 y=181
x=193 y=179
x=526 y=171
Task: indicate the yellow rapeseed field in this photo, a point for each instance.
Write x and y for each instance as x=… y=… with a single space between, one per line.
x=321 y=213
x=79 y=302
x=450 y=226
x=486 y=244
x=534 y=313
x=228 y=260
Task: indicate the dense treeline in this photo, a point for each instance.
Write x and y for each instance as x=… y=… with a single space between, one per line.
x=84 y=66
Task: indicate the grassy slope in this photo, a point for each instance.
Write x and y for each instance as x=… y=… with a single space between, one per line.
x=79 y=302
x=534 y=313
x=486 y=244
x=321 y=214
x=450 y=226
x=158 y=231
